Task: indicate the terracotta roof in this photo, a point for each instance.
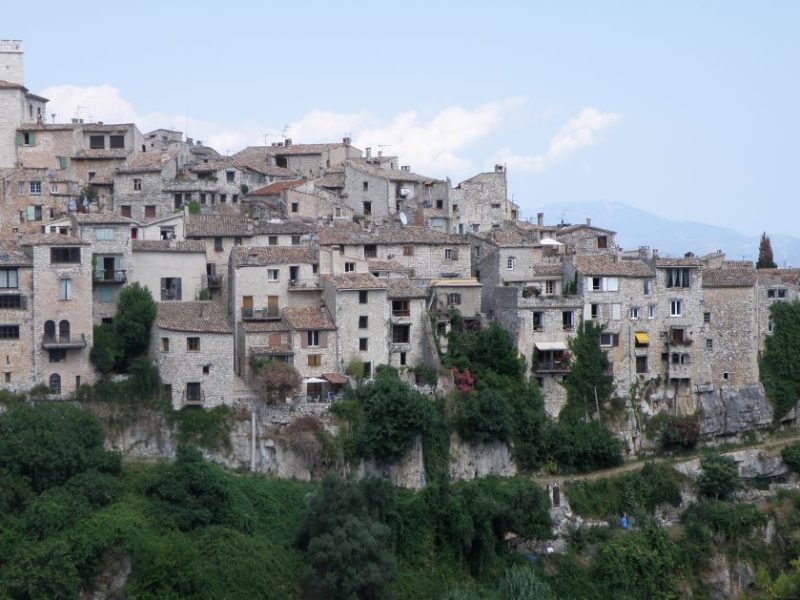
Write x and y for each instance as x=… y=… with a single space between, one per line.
x=548 y=269
x=100 y=154
x=355 y=281
x=103 y=218
x=217 y=225
x=168 y=246
x=51 y=239
x=12 y=256
x=264 y=326
x=8 y=85
x=258 y=256
x=260 y=152
x=308 y=318
x=511 y=234
x=386 y=265
x=284 y=227
x=603 y=264
x=213 y=166
x=335 y=378
x=148 y=162
x=571 y=228
x=483 y=177
x=264 y=168
x=199 y=317
x=791 y=276
x=351 y=233
x=456 y=282
x=729 y=277
x=276 y=187
x=403 y=288
x=683 y=261
x=360 y=164
x=281 y=349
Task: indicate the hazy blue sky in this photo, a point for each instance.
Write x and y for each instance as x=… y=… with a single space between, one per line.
x=686 y=109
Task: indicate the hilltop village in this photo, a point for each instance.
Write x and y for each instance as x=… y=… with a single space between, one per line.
x=336 y=259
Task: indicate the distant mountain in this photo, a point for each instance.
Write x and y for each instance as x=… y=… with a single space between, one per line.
x=637 y=227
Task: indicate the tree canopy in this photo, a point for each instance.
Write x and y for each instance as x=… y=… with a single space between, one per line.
x=765 y=258
x=588 y=383
x=779 y=366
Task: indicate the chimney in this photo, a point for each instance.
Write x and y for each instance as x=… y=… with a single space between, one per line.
x=655 y=253
x=406 y=168
x=288 y=142
x=346 y=141
x=368 y=152
x=74 y=121
x=199 y=143
x=540 y=219
x=499 y=168
x=380 y=153
x=588 y=221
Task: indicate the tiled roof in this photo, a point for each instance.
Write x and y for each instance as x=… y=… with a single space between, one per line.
x=362 y=165
x=100 y=154
x=8 y=85
x=729 y=277
x=351 y=233
x=548 y=269
x=102 y=218
x=482 y=178
x=603 y=264
x=791 y=276
x=335 y=378
x=684 y=261
x=403 y=288
x=330 y=180
x=284 y=228
x=148 y=162
x=260 y=152
x=107 y=127
x=355 y=281
x=276 y=187
x=12 y=256
x=168 y=246
x=456 y=282
x=217 y=225
x=263 y=167
x=386 y=265
x=199 y=317
x=213 y=166
x=308 y=318
x=281 y=349
x=571 y=228
x=51 y=239
x=264 y=326
x=256 y=256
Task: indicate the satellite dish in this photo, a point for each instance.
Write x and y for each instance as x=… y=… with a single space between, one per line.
x=403 y=219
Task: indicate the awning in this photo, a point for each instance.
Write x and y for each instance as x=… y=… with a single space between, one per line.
x=546 y=241
x=545 y=346
x=335 y=378
x=314 y=380
x=642 y=338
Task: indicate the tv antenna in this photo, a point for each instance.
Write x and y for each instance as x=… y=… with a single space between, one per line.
x=78 y=111
x=284 y=131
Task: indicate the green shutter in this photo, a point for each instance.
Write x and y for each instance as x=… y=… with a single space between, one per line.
x=19 y=138
x=31 y=139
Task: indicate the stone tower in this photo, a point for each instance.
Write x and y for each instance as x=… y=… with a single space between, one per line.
x=11 y=65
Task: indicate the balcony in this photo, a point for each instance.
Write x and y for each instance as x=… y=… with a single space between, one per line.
x=680 y=371
x=196 y=398
x=63 y=342
x=110 y=276
x=304 y=285
x=260 y=314
x=214 y=282
x=551 y=366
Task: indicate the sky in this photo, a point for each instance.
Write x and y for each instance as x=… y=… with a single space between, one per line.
x=689 y=110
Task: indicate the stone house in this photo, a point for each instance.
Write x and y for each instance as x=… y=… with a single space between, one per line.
x=309 y=202
x=170 y=227
x=586 y=238
x=170 y=269
x=16 y=317
x=33 y=198
x=773 y=285
x=109 y=236
x=359 y=306
x=261 y=339
x=314 y=341
x=479 y=203
x=192 y=345
x=409 y=334
x=61 y=310
x=305 y=160
x=138 y=184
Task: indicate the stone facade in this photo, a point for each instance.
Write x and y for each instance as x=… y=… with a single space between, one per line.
x=171 y=270
x=16 y=318
x=480 y=202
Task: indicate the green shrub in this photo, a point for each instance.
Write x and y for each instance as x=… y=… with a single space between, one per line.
x=719 y=477
x=579 y=446
x=674 y=433
x=521 y=583
x=791 y=456
x=732 y=521
x=208 y=428
x=483 y=416
x=779 y=367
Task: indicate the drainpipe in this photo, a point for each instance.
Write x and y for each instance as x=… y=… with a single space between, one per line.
x=253 y=438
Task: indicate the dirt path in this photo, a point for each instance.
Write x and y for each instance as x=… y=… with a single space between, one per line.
x=636 y=464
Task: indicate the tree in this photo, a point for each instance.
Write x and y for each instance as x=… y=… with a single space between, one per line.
x=779 y=367
x=483 y=416
x=588 y=383
x=279 y=379
x=719 y=477
x=107 y=352
x=136 y=311
x=765 y=258
x=521 y=583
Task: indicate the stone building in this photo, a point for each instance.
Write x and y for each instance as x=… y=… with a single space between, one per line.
x=359 y=306
x=61 y=311
x=409 y=335
x=192 y=346
x=33 y=198
x=138 y=185
x=16 y=317
x=773 y=285
x=261 y=339
x=586 y=238
x=305 y=160
x=314 y=342
x=171 y=270
x=481 y=202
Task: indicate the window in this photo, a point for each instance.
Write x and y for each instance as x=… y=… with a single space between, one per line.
x=367 y=368
x=597 y=284
x=567 y=320
x=202 y=198
x=651 y=311
x=451 y=253
x=55 y=356
x=193 y=344
x=206 y=369
x=91 y=175
x=12 y=301
x=363 y=297
x=408 y=250
x=706 y=317
x=648 y=286
x=455 y=207
x=9 y=332
x=314 y=360
x=725 y=375
x=35 y=188
x=218 y=244
x=312 y=337
x=9 y=278
x=273 y=240
x=223 y=198
x=402 y=359
x=678 y=277
x=400 y=308
x=363 y=344
x=164 y=344
x=194 y=393
x=230 y=176
x=273 y=274
x=54 y=383
x=608 y=340
x=538 y=320
x=594 y=311
x=511 y=263
x=349 y=267
x=237 y=241
x=104 y=234
x=8 y=377
x=401 y=334
x=150 y=212
x=453 y=299
x=137 y=185
x=370 y=251
x=363 y=322
x=782 y=293
x=295 y=207
x=602 y=242
x=641 y=365
x=28 y=138
x=550 y=287
x=116 y=141
x=170 y=288
x=20 y=188
x=295 y=240
x=710 y=344
x=97 y=142
x=676 y=308
x=62 y=162
x=367 y=208
x=634 y=312
x=439 y=204
x=53 y=188
x=65 y=289
x=125 y=210
x=769 y=324
x=106 y=294
x=365 y=185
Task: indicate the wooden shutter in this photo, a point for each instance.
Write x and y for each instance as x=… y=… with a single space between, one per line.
x=304 y=339
x=178 y=289
x=323 y=339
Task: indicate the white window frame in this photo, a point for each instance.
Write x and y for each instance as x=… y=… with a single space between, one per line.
x=313 y=338
x=511 y=263
x=35 y=187
x=610 y=337
x=349 y=267
x=65 y=289
x=651 y=311
x=104 y=234
x=634 y=312
x=647 y=286
x=676 y=308
x=273 y=274
x=550 y=287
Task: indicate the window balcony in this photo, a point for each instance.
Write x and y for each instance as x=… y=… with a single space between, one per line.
x=214 y=282
x=304 y=285
x=196 y=398
x=63 y=342
x=260 y=314
x=551 y=366
x=110 y=276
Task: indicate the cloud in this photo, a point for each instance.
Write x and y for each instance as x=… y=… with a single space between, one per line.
x=433 y=144
x=578 y=133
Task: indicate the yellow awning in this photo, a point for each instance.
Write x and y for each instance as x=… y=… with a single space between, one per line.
x=642 y=338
